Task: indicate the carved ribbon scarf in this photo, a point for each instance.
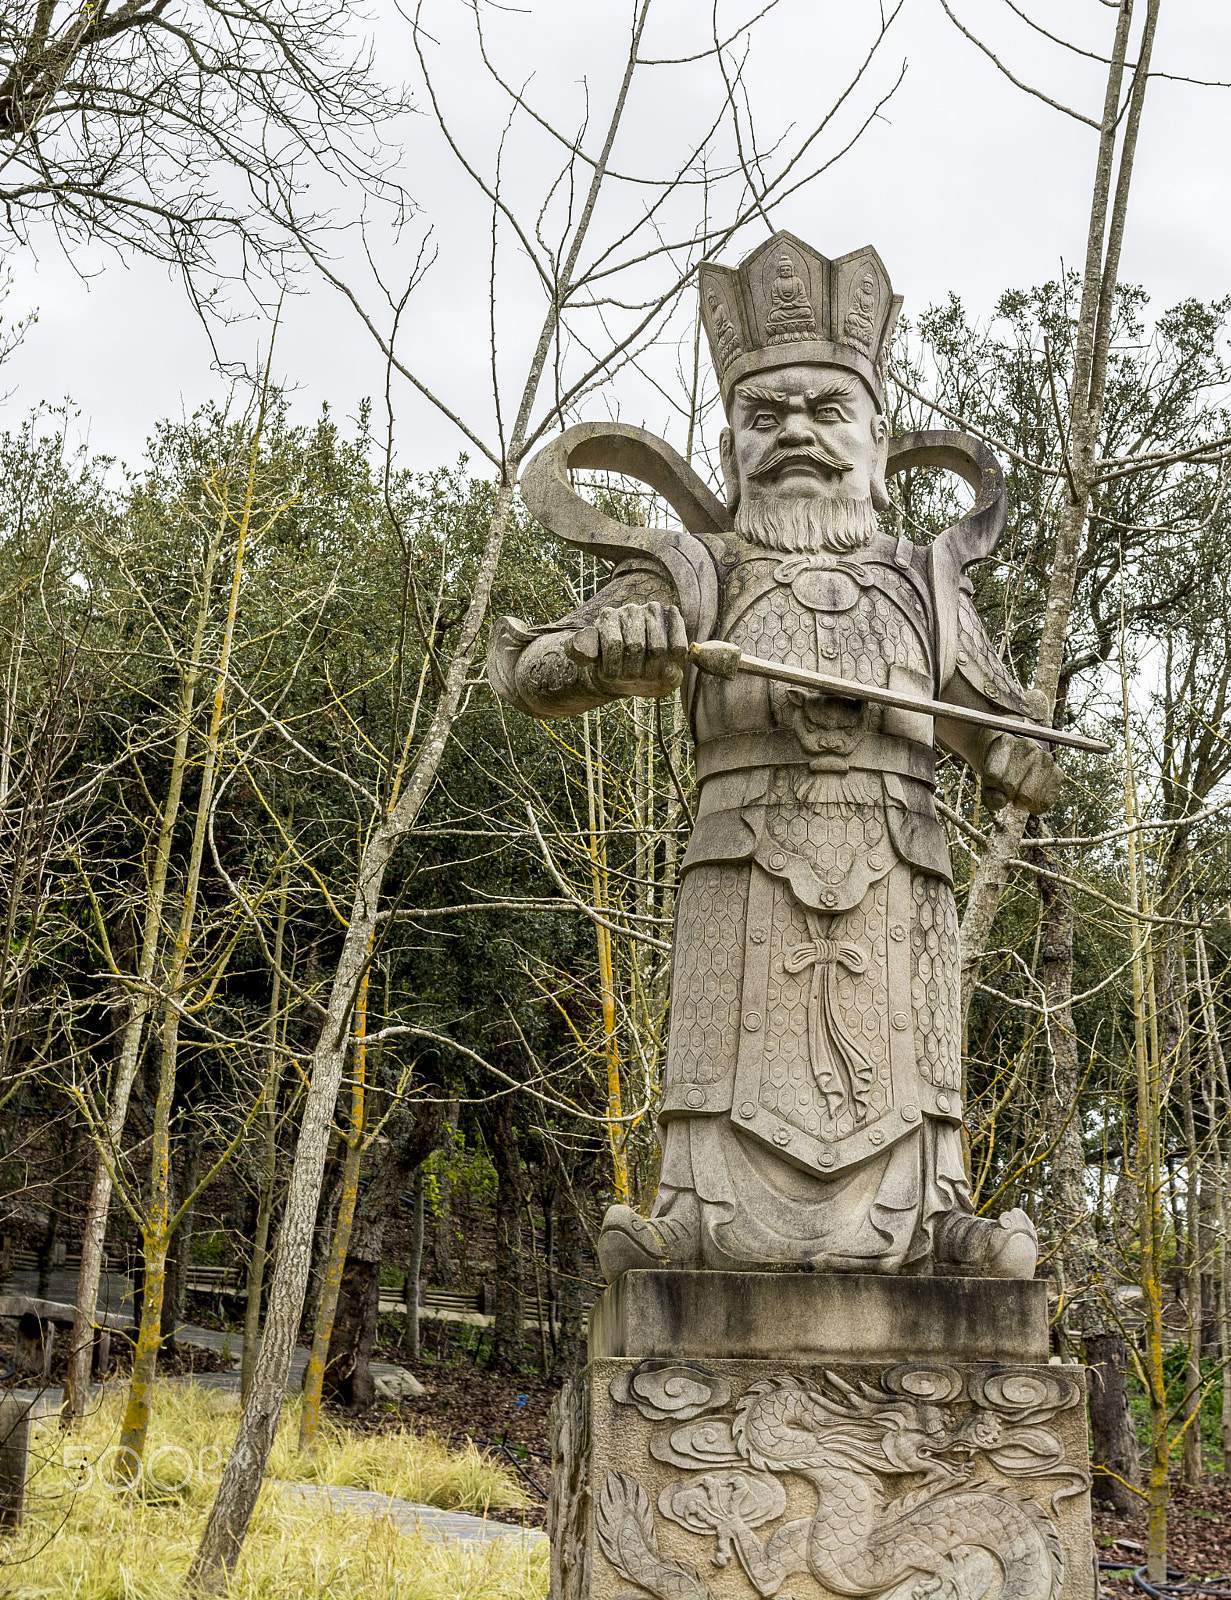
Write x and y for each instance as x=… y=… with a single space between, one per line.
x=842 y=1072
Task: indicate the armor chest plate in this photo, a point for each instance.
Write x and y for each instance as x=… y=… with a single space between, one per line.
x=858 y=619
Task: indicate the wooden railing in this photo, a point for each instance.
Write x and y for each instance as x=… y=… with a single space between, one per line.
x=202 y=1279
x=450 y=1305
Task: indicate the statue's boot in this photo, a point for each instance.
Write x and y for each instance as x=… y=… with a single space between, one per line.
x=990 y=1247
x=629 y=1240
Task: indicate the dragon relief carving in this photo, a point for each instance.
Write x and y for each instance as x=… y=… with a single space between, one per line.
x=906 y=1503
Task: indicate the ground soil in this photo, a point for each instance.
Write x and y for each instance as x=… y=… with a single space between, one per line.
x=1198 y=1539
x=465 y=1401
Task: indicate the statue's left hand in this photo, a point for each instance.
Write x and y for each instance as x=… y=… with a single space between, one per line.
x=1022 y=771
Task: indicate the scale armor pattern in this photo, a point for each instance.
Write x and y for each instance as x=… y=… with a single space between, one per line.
x=935 y=982
x=983 y=666
x=707 y=973
x=860 y=643
x=831 y=836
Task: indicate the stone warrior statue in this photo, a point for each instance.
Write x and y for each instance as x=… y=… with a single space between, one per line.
x=812 y=1109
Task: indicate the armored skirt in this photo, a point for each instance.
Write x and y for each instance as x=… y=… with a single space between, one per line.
x=812 y=1104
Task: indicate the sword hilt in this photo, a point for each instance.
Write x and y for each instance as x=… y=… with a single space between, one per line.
x=716 y=656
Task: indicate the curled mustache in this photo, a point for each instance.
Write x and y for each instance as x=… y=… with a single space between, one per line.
x=808 y=452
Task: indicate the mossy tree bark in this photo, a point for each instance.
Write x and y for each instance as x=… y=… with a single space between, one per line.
x=508 y=1332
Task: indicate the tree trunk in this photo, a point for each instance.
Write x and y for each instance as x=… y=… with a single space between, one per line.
x=157 y=1228
x=1220 y=1119
x=1113 y=1443
x=1070 y=1217
x=348 y=1375
x=269 y=1157
x=414 y=1270
x=508 y=1334
x=616 y=1133
x=1152 y=1091
x=322 y=1241
x=1113 y=1439
x=1124 y=1203
x=255 y=1287
x=47 y=1247
x=444 y=1264
x=1193 y=1464
x=1207 y=1233
x=570 y=1241
x=322 y=1332
x=1095 y=320
x=49 y=1244
x=177 y=1258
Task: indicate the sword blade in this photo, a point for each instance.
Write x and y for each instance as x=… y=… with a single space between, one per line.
x=725 y=661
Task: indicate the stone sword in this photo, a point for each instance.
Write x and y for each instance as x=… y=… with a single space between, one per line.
x=727 y=660
x=724 y=660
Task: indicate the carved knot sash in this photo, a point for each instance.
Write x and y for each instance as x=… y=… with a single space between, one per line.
x=843 y=1073
x=825 y=953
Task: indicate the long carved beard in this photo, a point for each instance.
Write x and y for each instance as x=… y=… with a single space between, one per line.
x=805 y=525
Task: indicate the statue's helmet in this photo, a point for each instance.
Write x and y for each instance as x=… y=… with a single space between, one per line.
x=844 y=299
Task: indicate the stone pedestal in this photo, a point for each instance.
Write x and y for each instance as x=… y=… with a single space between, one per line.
x=743 y=1435
x=15 y=1416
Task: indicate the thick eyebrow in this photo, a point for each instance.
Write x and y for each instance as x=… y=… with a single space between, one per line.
x=749 y=391
x=839 y=389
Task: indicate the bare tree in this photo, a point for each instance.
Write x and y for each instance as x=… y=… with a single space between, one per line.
x=1083 y=471
x=226 y=510
x=1086 y=475
x=180 y=128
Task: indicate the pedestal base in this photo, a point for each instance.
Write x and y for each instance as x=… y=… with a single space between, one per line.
x=953 y=1467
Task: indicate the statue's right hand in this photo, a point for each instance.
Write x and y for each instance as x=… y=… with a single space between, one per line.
x=635 y=649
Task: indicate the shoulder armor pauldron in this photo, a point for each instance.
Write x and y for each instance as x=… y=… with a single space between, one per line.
x=982 y=668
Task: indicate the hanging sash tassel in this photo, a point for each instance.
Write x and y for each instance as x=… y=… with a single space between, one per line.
x=842 y=1072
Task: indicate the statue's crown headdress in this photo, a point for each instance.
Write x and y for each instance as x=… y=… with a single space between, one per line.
x=786 y=304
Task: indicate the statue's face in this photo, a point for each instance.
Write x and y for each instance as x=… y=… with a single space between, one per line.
x=811 y=432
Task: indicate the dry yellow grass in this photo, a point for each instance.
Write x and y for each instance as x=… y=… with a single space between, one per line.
x=85 y=1540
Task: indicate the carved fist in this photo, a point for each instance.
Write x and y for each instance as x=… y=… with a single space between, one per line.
x=1020 y=770
x=635 y=649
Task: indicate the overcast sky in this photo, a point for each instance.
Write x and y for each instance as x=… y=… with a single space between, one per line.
x=963 y=183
